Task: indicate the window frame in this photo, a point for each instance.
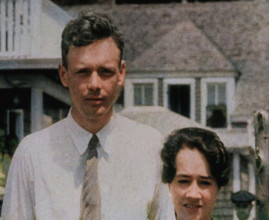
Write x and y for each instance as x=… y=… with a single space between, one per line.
x=230 y=87
x=129 y=90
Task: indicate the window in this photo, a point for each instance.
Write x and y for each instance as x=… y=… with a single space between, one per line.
x=179 y=96
x=141 y=92
x=216 y=110
x=179 y=99
x=15 y=123
x=217 y=104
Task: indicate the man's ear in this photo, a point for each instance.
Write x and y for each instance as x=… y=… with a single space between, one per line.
x=122 y=73
x=63 y=75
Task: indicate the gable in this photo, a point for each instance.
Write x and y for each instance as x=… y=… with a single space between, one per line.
x=185 y=48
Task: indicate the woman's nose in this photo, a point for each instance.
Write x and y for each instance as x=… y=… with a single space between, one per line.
x=193 y=191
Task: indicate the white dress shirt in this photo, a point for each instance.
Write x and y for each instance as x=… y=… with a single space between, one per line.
x=46 y=173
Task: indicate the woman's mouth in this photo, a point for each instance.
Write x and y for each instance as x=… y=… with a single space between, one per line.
x=193 y=207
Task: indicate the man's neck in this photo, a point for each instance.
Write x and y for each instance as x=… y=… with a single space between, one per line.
x=93 y=125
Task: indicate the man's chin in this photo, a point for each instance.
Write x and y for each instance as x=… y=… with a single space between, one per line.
x=99 y=114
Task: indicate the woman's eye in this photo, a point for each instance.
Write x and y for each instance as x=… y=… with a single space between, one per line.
x=205 y=183
x=182 y=181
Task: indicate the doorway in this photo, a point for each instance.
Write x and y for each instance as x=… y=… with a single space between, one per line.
x=179 y=99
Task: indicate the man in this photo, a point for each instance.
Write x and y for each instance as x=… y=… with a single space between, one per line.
x=47 y=178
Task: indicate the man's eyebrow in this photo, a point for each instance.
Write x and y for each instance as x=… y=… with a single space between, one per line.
x=82 y=70
x=106 y=68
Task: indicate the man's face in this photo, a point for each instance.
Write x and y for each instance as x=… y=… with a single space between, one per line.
x=193 y=189
x=94 y=76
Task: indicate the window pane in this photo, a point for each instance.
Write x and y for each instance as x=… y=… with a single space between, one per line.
x=216 y=116
x=222 y=93
x=148 y=94
x=137 y=94
x=210 y=94
x=143 y=94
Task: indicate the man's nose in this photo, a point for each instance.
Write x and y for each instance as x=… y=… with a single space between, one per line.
x=94 y=81
x=193 y=191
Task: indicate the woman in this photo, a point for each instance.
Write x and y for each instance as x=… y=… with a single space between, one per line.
x=196 y=166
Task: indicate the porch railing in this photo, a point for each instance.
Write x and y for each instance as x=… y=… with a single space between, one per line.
x=18 y=22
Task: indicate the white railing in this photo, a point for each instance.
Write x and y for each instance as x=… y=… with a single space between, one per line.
x=17 y=25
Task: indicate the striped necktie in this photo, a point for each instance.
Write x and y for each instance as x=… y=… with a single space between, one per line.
x=91 y=201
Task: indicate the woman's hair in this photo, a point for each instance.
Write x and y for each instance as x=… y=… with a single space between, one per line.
x=87 y=28
x=207 y=142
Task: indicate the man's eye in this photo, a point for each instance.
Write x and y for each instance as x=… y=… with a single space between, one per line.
x=83 y=71
x=106 y=72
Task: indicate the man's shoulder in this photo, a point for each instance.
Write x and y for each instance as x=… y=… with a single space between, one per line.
x=43 y=135
x=126 y=124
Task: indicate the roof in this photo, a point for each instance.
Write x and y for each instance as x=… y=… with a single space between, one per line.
x=45 y=63
x=185 y=48
x=236 y=32
x=160 y=118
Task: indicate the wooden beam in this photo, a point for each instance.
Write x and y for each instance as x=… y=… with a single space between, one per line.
x=261 y=127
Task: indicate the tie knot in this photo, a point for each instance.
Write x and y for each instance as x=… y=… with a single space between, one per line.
x=94 y=141
x=93 y=144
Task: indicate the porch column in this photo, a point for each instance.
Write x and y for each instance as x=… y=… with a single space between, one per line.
x=236 y=177
x=252 y=187
x=36 y=109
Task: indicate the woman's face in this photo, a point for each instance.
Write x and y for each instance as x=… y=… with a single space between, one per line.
x=194 y=190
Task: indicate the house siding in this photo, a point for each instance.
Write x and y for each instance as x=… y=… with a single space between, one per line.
x=160 y=92
x=198 y=99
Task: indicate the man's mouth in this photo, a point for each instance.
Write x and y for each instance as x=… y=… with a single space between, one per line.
x=95 y=100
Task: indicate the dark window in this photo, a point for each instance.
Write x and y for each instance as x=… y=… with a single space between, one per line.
x=179 y=99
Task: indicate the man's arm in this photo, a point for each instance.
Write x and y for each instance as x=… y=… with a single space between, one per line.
x=161 y=207
x=18 y=201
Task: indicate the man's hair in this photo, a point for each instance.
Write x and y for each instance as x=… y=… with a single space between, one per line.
x=207 y=142
x=87 y=28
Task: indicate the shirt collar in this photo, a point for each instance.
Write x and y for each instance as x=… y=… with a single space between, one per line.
x=81 y=137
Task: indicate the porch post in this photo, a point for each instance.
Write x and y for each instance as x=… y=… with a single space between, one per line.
x=261 y=127
x=236 y=177
x=251 y=186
